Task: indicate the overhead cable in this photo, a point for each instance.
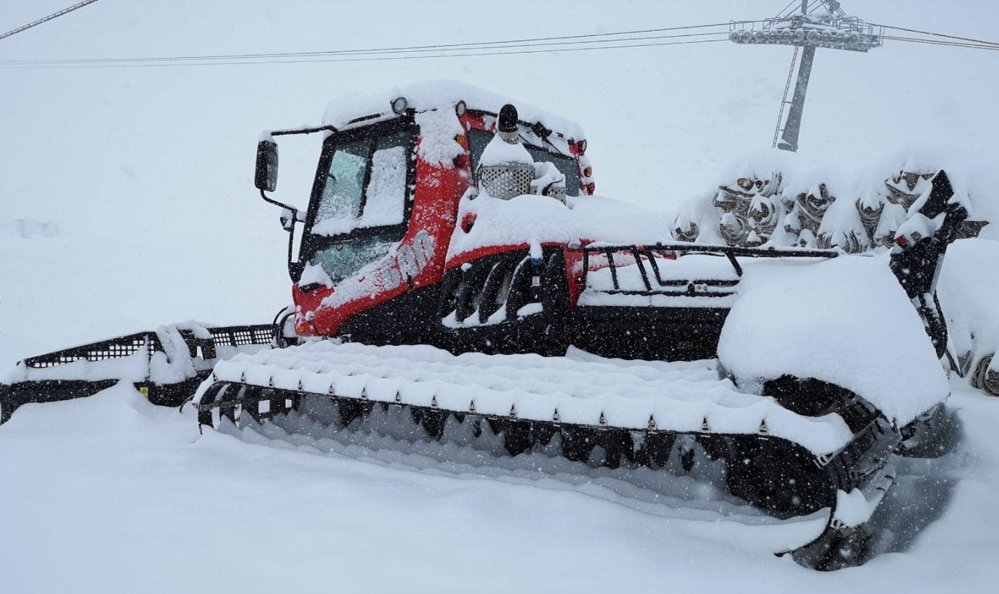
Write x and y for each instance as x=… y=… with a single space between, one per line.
x=620 y=39
x=924 y=41
x=638 y=38
x=47 y=19
x=967 y=39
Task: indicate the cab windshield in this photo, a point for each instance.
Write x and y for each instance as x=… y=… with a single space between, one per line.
x=362 y=204
x=364 y=185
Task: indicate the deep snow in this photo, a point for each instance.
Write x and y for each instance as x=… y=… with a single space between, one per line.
x=111 y=494
x=127 y=202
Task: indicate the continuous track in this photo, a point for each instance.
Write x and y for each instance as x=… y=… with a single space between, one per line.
x=409 y=394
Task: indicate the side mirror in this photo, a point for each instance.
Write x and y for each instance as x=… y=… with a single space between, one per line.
x=265 y=177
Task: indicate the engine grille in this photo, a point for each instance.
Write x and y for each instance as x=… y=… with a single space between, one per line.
x=506 y=181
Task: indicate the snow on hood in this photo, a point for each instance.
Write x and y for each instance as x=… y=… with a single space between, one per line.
x=846 y=321
x=532 y=219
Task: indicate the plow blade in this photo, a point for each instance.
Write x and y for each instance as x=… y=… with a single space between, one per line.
x=165 y=365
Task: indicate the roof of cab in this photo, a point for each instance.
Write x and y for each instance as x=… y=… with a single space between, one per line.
x=434 y=94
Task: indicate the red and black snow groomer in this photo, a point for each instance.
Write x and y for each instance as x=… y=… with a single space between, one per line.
x=455 y=279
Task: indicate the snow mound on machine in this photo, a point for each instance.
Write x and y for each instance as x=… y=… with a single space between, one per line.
x=968 y=284
x=845 y=321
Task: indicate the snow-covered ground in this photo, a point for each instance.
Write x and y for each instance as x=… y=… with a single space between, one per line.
x=126 y=202
x=111 y=494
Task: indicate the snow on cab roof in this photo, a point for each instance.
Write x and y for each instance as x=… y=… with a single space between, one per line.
x=434 y=94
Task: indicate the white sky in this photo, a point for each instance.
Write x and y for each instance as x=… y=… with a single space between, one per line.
x=156 y=163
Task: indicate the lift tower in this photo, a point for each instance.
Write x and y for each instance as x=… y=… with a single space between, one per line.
x=807 y=25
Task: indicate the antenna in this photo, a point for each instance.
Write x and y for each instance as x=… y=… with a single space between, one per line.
x=807 y=27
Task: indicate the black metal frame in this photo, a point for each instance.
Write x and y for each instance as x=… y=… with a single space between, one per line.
x=124 y=346
x=643 y=253
x=173 y=394
x=677 y=332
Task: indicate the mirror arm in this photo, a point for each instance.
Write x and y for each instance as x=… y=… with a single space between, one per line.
x=295 y=267
x=330 y=129
x=281 y=204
